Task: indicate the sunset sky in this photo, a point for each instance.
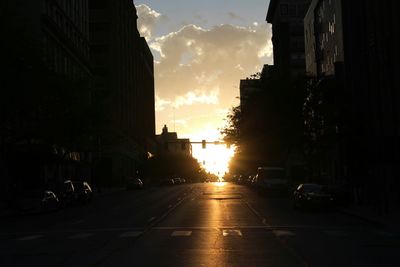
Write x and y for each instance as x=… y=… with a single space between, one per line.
x=201 y=50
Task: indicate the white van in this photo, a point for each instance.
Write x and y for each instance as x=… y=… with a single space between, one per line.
x=272 y=180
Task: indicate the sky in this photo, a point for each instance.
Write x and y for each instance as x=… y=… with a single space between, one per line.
x=201 y=50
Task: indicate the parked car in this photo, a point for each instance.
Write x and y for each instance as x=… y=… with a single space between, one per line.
x=167 y=181
x=272 y=181
x=82 y=191
x=134 y=183
x=67 y=193
x=177 y=180
x=37 y=201
x=312 y=196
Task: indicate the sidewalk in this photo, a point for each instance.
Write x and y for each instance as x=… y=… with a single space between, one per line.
x=370 y=214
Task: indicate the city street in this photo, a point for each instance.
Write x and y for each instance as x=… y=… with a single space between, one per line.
x=209 y=224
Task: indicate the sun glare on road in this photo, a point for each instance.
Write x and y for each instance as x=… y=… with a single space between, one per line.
x=220 y=184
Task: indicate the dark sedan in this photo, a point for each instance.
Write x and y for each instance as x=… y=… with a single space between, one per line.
x=134 y=183
x=312 y=196
x=37 y=201
x=82 y=191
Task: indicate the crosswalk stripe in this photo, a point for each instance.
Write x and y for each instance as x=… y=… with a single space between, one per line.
x=80 y=236
x=336 y=232
x=282 y=233
x=231 y=232
x=181 y=233
x=29 y=237
x=130 y=234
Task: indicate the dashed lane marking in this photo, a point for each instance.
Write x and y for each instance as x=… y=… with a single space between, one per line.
x=30 y=237
x=181 y=233
x=336 y=232
x=80 y=236
x=131 y=234
x=78 y=222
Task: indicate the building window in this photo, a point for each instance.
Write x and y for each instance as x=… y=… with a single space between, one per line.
x=284 y=8
x=292 y=11
x=97 y=4
x=99 y=49
x=99 y=27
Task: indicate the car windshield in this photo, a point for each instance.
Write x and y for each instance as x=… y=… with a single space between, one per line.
x=312 y=188
x=78 y=185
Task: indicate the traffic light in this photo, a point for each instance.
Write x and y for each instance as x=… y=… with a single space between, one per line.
x=203 y=144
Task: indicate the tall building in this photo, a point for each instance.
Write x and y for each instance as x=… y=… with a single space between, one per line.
x=46 y=44
x=323 y=38
x=353 y=44
x=124 y=89
x=286 y=17
x=56 y=30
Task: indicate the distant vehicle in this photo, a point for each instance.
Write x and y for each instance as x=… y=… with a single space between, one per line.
x=134 y=183
x=67 y=193
x=177 y=180
x=167 y=181
x=271 y=180
x=253 y=181
x=38 y=201
x=82 y=191
x=312 y=196
x=248 y=180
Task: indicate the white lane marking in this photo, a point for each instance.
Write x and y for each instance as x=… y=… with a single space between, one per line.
x=336 y=232
x=29 y=237
x=151 y=219
x=131 y=234
x=385 y=233
x=281 y=233
x=78 y=222
x=230 y=232
x=181 y=233
x=80 y=236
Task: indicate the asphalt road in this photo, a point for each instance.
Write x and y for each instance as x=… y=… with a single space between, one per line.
x=213 y=224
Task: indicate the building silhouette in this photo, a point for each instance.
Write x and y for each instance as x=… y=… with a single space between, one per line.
x=351 y=49
x=169 y=144
x=263 y=111
x=47 y=46
x=124 y=90
x=286 y=18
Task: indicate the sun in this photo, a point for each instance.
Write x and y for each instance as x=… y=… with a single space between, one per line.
x=214 y=158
